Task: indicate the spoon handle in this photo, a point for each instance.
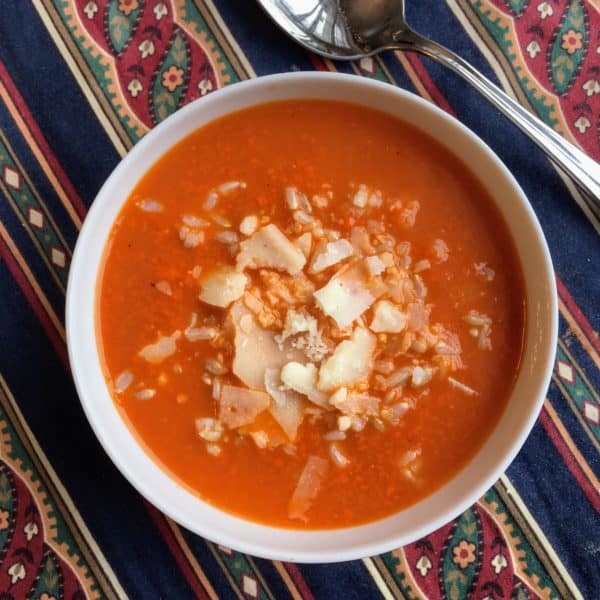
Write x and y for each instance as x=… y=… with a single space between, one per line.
x=583 y=169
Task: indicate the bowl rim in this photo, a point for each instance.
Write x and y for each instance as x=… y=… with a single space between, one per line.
x=302 y=550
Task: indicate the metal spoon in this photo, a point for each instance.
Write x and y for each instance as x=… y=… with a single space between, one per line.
x=354 y=29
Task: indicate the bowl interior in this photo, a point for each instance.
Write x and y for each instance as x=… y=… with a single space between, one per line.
x=340 y=544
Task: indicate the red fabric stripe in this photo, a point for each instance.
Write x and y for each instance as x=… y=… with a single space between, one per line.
x=178 y=555
x=301 y=584
x=579 y=317
x=435 y=93
x=317 y=62
x=47 y=325
x=38 y=136
x=588 y=489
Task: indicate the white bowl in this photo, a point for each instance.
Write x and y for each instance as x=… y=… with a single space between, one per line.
x=338 y=544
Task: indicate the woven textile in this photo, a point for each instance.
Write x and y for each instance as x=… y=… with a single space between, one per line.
x=80 y=84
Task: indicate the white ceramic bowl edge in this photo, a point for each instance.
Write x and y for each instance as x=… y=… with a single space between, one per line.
x=341 y=544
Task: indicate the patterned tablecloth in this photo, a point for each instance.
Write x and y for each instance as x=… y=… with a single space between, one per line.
x=80 y=83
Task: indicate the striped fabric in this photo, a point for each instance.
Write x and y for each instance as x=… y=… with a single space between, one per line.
x=79 y=86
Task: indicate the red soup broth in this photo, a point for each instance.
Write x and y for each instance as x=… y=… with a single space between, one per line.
x=427 y=218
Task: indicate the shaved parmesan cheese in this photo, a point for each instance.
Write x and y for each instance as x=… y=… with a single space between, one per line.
x=319 y=201
x=261 y=439
x=297 y=322
x=310 y=340
x=303 y=379
x=350 y=363
x=249 y=225
x=375 y=265
x=394 y=413
x=388 y=318
x=418 y=316
x=227 y=237
x=308 y=487
x=345 y=297
x=422 y=265
x=287 y=407
x=356 y=404
x=333 y=253
x=209 y=429
x=304 y=244
x=421 y=376
x=387 y=258
x=361 y=197
x=213 y=449
x=240 y=406
x=361 y=241
x=197 y=334
x=269 y=248
x=294 y=199
x=255 y=348
x=161 y=349
x=303 y=217
x=344 y=422
x=222 y=287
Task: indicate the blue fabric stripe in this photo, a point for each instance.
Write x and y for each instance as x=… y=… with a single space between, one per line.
x=397 y=72
x=578 y=434
x=32 y=256
x=276 y=584
x=567 y=520
x=586 y=364
x=347 y=580
x=37 y=176
x=266 y=47
x=209 y=565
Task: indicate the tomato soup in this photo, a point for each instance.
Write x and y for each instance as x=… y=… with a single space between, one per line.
x=310 y=314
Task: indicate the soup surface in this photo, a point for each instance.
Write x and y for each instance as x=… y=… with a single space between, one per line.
x=310 y=314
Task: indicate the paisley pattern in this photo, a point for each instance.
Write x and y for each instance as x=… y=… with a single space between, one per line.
x=121 y=20
x=39 y=557
x=468 y=558
x=49 y=580
x=8 y=510
x=147 y=55
x=567 y=51
x=461 y=565
x=552 y=47
x=29 y=564
x=517 y=6
x=171 y=79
